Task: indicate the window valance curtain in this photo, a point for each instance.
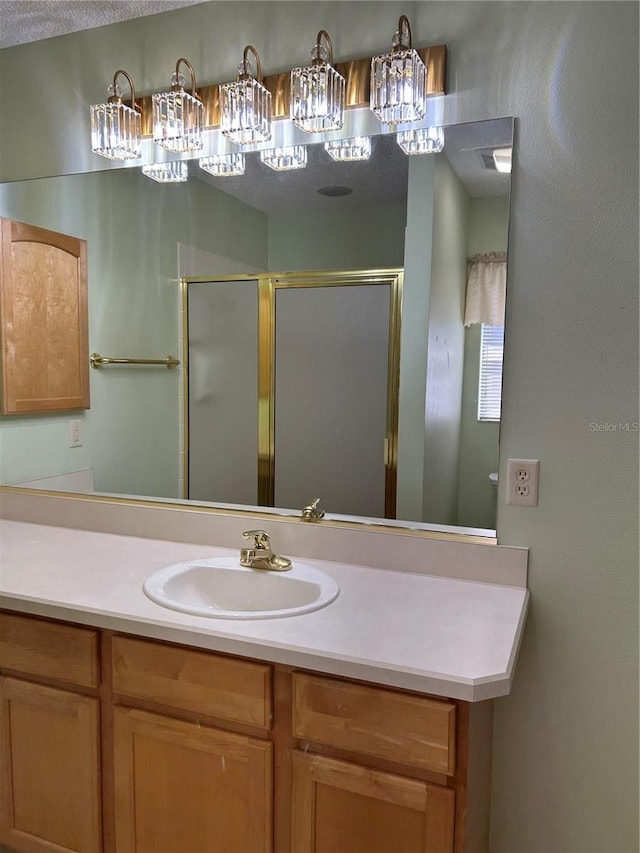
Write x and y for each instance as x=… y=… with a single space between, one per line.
x=486 y=289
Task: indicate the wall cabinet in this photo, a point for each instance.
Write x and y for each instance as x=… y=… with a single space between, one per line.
x=43 y=320
x=172 y=749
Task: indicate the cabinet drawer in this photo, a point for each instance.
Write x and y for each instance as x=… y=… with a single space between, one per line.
x=201 y=682
x=36 y=647
x=376 y=722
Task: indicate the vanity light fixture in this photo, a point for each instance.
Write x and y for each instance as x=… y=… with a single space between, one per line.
x=398 y=80
x=428 y=140
x=245 y=105
x=317 y=91
x=502 y=159
x=177 y=115
x=115 y=126
x=286 y=158
x=350 y=150
x=223 y=165
x=175 y=172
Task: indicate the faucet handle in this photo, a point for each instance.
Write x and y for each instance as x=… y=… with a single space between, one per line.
x=312 y=510
x=260 y=538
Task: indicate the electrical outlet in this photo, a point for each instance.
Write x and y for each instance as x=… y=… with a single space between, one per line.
x=75 y=433
x=522 y=482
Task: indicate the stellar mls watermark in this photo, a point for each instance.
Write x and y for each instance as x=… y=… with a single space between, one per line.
x=617 y=426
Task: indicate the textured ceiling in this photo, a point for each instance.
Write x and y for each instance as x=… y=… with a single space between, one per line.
x=23 y=21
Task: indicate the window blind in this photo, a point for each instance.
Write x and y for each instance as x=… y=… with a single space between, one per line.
x=490 y=385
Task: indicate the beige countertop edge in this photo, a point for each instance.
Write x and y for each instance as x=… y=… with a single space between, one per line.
x=436 y=684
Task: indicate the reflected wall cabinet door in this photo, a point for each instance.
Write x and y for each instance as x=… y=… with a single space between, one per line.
x=43 y=320
x=50 y=765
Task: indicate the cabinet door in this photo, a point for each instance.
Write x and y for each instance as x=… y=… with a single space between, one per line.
x=338 y=806
x=43 y=320
x=49 y=755
x=184 y=787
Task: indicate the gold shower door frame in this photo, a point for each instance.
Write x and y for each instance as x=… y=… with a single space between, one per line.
x=268 y=285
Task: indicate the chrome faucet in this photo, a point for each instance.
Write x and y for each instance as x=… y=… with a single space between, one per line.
x=260 y=556
x=312 y=511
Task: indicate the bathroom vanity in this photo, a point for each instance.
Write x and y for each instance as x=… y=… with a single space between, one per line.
x=363 y=726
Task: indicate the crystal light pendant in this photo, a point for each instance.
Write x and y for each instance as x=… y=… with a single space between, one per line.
x=317 y=92
x=349 y=150
x=175 y=172
x=177 y=115
x=115 y=127
x=398 y=80
x=223 y=165
x=283 y=159
x=428 y=140
x=246 y=105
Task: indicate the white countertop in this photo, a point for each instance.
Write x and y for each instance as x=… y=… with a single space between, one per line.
x=434 y=635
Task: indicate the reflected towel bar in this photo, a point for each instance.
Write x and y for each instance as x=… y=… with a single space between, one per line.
x=98 y=360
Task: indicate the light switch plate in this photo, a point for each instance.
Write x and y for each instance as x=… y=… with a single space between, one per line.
x=75 y=433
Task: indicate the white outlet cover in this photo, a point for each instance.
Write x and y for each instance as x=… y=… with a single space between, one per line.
x=522 y=482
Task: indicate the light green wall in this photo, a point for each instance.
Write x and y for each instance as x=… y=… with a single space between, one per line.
x=413 y=339
x=488 y=224
x=361 y=238
x=132 y=227
x=488 y=232
x=565 y=775
x=445 y=355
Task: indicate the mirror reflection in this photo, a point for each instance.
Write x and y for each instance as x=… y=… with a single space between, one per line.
x=439 y=220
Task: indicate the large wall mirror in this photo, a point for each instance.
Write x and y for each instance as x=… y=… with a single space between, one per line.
x=176 y=269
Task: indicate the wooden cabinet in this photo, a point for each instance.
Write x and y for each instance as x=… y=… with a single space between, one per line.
x=43 y=320
x=189 y=750
x=340 y=807
x=185 y=787
x=49 y=738
x=357 y=807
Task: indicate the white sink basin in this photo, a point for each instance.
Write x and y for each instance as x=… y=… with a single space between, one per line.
x=223 y=589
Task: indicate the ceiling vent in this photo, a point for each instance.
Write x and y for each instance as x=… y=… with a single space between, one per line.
x=486 y=158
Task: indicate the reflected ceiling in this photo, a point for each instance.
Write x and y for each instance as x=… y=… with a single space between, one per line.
x=383 y=178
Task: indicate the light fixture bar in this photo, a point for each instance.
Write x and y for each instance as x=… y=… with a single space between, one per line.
x=357 y=74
